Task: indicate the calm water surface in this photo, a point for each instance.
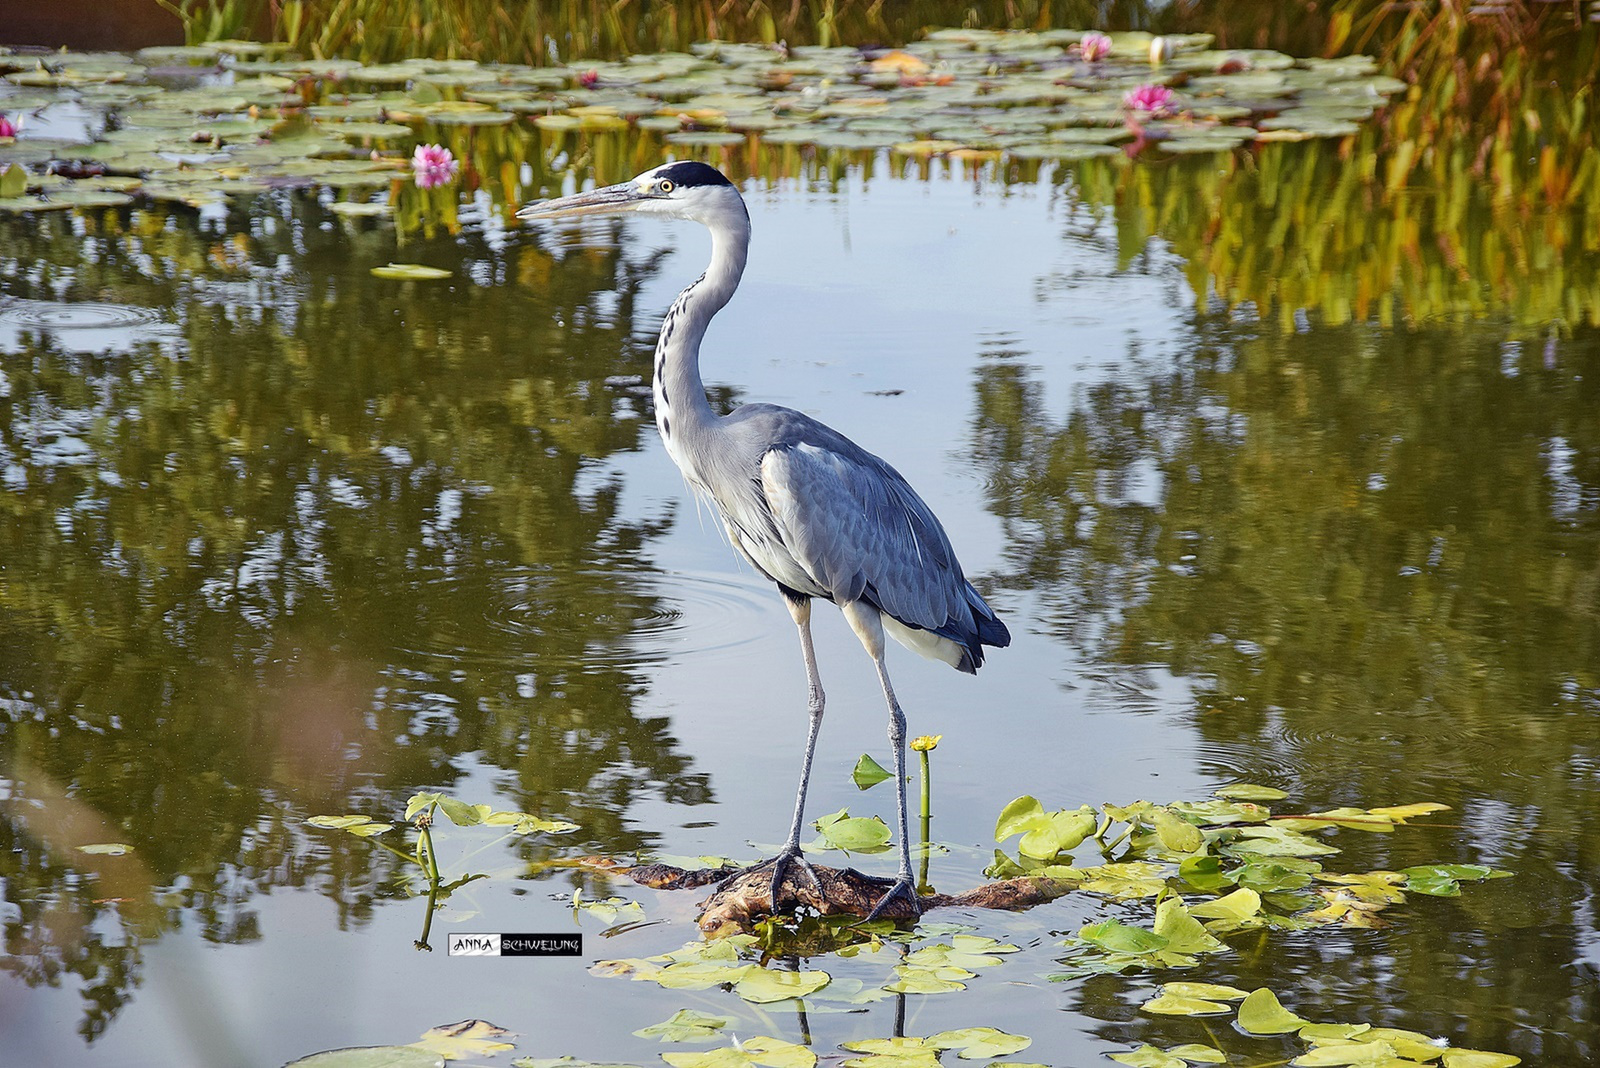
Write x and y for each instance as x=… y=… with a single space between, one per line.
x=285 y=539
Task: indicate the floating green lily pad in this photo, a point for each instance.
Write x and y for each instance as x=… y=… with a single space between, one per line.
x=372 y=1057
x=965 y=94
x=1062 y=150
x=361 y=209
x=410 y=272
x=376 y=131
x=705 y=138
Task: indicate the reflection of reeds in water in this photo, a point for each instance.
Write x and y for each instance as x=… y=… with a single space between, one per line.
x=1371 y=227
x=1475 y=193
x=536 y=31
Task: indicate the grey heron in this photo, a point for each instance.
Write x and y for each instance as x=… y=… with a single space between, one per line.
x=809 y=508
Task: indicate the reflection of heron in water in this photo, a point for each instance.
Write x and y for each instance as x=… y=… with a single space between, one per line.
x=813 y=511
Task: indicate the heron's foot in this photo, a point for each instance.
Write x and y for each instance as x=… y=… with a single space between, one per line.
x=779 y=866
x=903 y=887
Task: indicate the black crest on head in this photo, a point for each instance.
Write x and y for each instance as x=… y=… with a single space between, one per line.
x=692 y=173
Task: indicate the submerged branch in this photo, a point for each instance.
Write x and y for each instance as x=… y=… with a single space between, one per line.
x=744 y=897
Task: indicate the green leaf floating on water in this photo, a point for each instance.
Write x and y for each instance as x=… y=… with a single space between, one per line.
x=1239 y=905
x=410 y=272
x=1177 y=1005
x=1444 y=880
x=766 y=1052
x=1354 y=1054
x=1262 y=1014
x=1204 y=873
x=764 y=985
x=1177 y=834
x=1277 y=842
x=1322 y=1032
x=686 y=1025
x=1148 y=1056
x=1184 y=933
x=869 y=772
x=360 y=826
x=975 y=1042
x=1250 y=792
x=372 y=1057
x=853 y=834
x=1209 y=991
x=904 y=1052
x=461 y=813
x=527 y=823
x=695 y=975
x=610 y=909
x=1118 y=937
x=469 y=1038
x=1477 y=1058
x=1044 y=834
x=106 y=849
x=13 y=180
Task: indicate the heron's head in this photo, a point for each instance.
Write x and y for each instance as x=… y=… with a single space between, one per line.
x=683 y=190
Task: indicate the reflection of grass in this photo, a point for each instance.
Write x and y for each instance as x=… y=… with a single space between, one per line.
x=387 y=30
x=1477 y=193
x=1349 y=231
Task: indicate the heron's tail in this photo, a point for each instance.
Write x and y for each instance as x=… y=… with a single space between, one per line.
x=985 y=628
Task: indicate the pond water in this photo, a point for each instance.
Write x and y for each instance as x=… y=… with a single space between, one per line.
x=286 y=539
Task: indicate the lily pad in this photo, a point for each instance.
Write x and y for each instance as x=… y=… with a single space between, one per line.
x=372 y=1057
x=705 y=138
x=852 y=834
x=765 y=985
x=1062 y=151
x=686 y=1025
x=1178 y=1005
x=1148 y=1056
x=975 y=1042
x=411 y=272
x=1262 y=1014
x=377 y=131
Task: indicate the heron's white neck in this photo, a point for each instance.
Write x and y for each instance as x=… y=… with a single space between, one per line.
x=683 y=414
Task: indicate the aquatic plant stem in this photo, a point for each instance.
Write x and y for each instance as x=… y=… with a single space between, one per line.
x=926 y=820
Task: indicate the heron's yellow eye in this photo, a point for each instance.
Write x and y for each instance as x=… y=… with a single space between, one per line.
x=666 y=185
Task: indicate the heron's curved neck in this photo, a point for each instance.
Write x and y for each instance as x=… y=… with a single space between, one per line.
x=682 y=410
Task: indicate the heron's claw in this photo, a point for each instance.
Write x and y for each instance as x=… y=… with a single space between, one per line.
x=903 y=887
x=780 y=867
x=780 y=864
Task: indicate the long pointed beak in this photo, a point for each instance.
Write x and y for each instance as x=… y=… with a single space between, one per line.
x=607 y=200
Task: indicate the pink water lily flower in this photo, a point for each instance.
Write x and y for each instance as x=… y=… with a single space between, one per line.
x=7 y=127
x=1154 y=99
x=1094 y=45
x=433 y=165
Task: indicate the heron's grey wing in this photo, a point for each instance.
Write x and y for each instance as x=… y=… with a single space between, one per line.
x=861 y=532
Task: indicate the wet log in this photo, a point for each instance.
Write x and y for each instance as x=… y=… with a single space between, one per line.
x=743 y=896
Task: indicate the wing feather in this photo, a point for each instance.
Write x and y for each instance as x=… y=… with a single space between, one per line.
x=860 y=532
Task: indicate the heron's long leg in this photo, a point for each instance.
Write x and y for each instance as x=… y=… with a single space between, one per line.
x=867 y=622
x=801 y=611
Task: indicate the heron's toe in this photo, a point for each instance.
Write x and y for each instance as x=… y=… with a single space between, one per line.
x=780 y=868
x=903 y=888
